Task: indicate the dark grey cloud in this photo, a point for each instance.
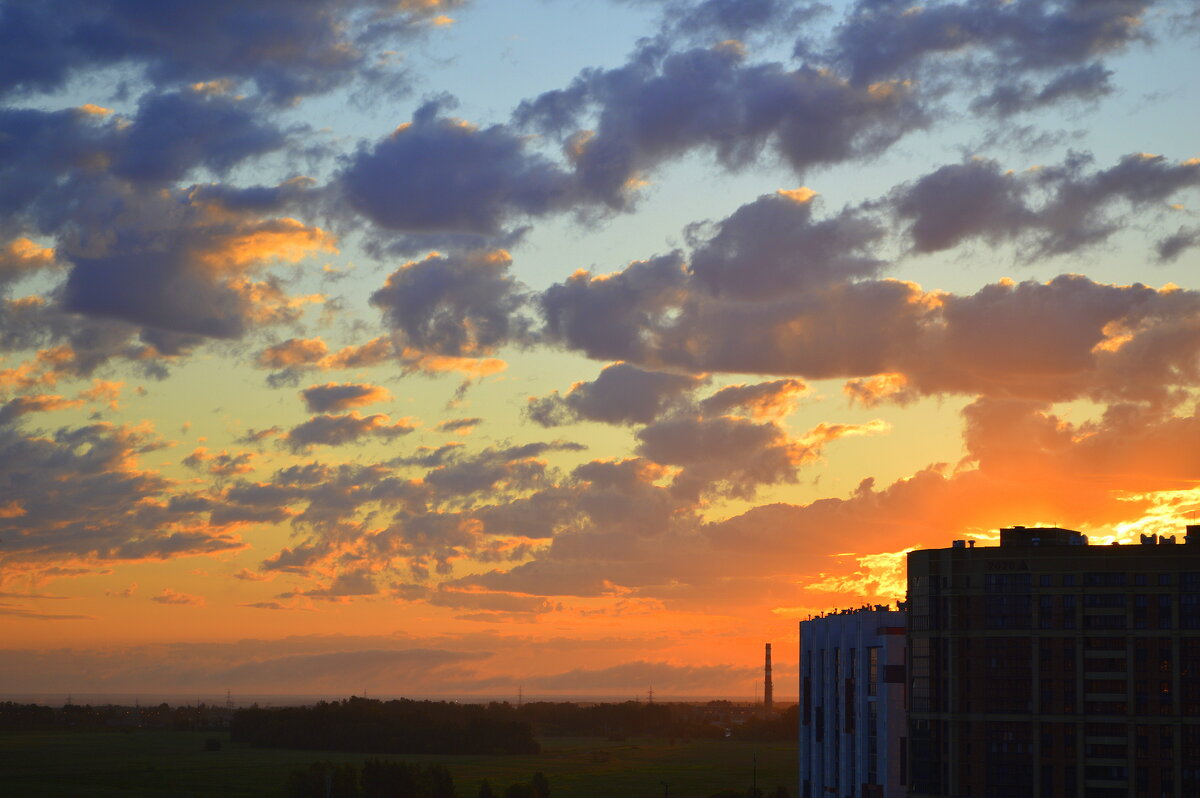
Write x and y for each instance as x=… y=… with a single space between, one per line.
x=773 y=245
x=976 y=198
x=459 y=425
x=1176 y=244
x=175 y=132
x=341 y=396
x=156 y=269
x=77 y=494
x=357 y=582
x=662 y=105
x=339 y=430
x=606 y=316
x=52 y=159
x=723 y=455
x=882 y=39
x=1064 y=339
x=457 y=305
x=165 y=260
x=441 y=175
x=513 y=468
x=285 y=50
x=761 y=400
x=714 y=20
x=489 y=602
x=1085 y=83
x=1052 y=210
x=621 y=394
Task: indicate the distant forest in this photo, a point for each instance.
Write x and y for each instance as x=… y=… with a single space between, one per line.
x=387 y=727
x=421 y=727
x=438 y=727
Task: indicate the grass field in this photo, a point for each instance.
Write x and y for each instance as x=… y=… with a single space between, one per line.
x=166 y=763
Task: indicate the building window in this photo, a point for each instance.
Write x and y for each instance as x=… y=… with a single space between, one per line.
x=873 y=671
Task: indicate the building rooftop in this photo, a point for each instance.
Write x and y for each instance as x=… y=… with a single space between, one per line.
x=1026 y=537
x=865 y=608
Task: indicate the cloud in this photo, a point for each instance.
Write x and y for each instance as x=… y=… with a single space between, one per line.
x=731 y=456
x=662 y=105
x=437 y=175
x=764 y=400
x=37 y=615
x=85 y=499
x=458 y=426
x=737 y=19
x=169 y=596
x=223 y=464
x=339 y=430
x=621 y=394
x=1175 y=245
x=773 y=245
x=176 y=132
x=284 y=51
x=21 y=257
x=293 y=352
x=506 y=603
x=878 y=41
x=606 y=315
x=1023 y=464
x=457 y=306
x=973 y=199
x=977 y=199
x=666 y=677
x=358 y=582
x=39 y=403
x=182 y=270
x=334 y=396
x=1063 y=339
x=307 y=664
x=1089 y=82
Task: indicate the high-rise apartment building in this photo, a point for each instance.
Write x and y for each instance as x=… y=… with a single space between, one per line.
x=1046 y=667
x=852 y=721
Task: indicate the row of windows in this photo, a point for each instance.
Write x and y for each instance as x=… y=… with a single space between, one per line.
x=1021 y=582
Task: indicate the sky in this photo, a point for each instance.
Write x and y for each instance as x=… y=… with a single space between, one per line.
x=462 y=347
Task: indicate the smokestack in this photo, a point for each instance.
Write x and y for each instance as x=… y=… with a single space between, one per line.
x=768 y=688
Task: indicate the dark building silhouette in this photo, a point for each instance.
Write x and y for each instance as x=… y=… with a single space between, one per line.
x=768 y=687
x=1049 y=667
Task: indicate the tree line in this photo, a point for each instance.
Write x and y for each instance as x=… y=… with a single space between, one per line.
x=386 y=727
x=15 y=717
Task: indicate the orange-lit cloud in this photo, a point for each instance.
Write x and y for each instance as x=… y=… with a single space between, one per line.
x=169 y=596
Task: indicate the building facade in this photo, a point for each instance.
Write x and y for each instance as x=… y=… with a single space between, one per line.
x=852 y=721
x=1049 y=667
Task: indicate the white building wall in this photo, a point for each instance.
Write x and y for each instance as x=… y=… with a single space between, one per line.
x=837 y=757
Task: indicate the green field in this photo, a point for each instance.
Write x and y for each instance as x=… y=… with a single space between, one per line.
x=169 y=763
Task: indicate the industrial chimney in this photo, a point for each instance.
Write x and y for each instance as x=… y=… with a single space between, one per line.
x=768 y=688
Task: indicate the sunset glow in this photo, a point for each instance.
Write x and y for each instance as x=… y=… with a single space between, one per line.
x=447 y=347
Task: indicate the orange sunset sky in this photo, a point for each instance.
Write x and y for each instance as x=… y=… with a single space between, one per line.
x=452 y=347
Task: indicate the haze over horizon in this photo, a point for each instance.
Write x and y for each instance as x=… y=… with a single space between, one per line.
x=437 y=347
